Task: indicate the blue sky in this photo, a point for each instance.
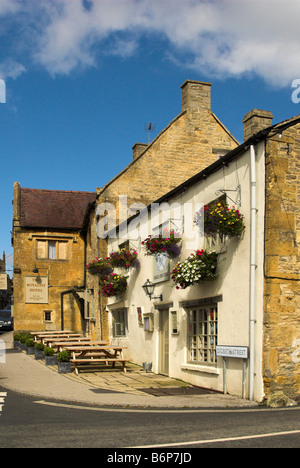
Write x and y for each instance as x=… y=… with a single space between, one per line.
x=83 y=78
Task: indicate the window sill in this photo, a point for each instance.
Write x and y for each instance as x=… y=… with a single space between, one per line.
x=53 y=260
x=199 y=368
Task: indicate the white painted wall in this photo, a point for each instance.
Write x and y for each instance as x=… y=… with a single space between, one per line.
x=232 y=284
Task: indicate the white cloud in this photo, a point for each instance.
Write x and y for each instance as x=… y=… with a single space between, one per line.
x=9 y=68
x=217 y=37
x=8 y=6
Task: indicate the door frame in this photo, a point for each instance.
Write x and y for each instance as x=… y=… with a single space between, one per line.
x=164 y=342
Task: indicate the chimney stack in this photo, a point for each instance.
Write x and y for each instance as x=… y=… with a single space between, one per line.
x=255 y=121
x=138 y=149
x=16 y=201
x=196 y=95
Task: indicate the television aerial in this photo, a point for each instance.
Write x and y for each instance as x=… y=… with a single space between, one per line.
x=149 y=127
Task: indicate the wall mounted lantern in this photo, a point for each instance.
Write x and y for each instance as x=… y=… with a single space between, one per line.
x=149 y=290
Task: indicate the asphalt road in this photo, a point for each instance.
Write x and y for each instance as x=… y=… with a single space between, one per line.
x=26 y=422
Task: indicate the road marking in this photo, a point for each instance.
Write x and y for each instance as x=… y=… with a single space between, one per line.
x=214 y=441
x=162 y=410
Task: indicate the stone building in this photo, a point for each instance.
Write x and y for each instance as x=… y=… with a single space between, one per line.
x=6 y=287
x=281 y=338
x=252 y=306
x=255 y=300
x=3 y=263
x=192 y=141
x=49 y=258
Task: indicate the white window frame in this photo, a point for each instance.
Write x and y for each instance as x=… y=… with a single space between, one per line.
x=119 y=323
x=202 y=337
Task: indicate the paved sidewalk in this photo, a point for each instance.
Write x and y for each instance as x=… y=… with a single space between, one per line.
x=105 y=387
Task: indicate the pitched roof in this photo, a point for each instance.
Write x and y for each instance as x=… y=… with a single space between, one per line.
x=258 y=137
x=57 y=209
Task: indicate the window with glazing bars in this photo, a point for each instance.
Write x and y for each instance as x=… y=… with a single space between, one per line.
x=203 y=335
x=119 y=318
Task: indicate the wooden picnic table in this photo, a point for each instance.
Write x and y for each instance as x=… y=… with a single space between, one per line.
x=79 y=339
x=82 y=355
x=42 y=338
x=60 y=345
x=50 y=332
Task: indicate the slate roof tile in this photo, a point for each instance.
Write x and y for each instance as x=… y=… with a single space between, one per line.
x=57 y=209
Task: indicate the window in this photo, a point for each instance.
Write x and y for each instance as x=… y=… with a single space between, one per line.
x=51 y=250
x=203 y=335
x=47 y=315
x=119 y=322
x=174 y=322
x=125 y=245
x=148 y=322
x=161 y=229
x=217 y=242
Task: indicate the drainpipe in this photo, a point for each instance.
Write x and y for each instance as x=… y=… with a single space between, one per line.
x=252 y=272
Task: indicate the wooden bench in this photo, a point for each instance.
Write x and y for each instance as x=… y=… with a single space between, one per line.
x=95 y=361
x=51 y=342
x=60 y=345
x=50 y=332
x=41 y=337
x=83 y=354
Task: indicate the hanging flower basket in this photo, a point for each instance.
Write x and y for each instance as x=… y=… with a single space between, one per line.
x=113 y=285
x=220 y=220
x=200 y=266
x=124 y=258
x=169 y=243
x=99 y=266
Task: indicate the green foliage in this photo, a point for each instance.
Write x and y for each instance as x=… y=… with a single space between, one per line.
x=124 y=258
x=49 y=351
x=64 y=356
x=39 y=346
x=113 y=285
x=23 y=336
x=200 y=266
x=29 y=342
x=99 y=266
x=218 y=218
x=168 y=243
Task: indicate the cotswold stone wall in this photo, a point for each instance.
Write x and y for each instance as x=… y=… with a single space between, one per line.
x=62 y=275
x=282 y=263
x=191 y=142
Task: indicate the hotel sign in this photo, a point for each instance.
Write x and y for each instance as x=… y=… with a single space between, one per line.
x=161 y=268
x=36 y=290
